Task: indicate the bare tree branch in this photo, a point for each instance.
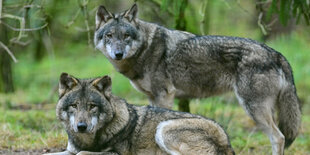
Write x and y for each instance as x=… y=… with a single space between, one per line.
x=21 y=43
x=73 y=18
x=202 y=12
x=21 y=21
x=9 y=52
x=259 y=22
x=29 y=29
x=205 y=13
x=21 y=29
x=0 y=10
x=86 y=16
x=32 y=6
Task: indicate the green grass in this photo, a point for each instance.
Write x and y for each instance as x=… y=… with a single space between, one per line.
x=31 y=129
x=38 y=129
x=27 y=123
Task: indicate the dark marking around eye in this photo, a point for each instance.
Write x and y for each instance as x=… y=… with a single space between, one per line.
x=132 y=33
x=109 y=35
x=70 y=99
x=92 y=106
x=100 y=34
x=96 y=99
x=73 y=106
x=126 y=35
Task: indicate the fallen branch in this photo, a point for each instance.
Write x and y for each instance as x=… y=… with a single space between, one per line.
x=9 y=52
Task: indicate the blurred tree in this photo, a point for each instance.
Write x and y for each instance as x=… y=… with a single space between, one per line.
x=180 y=16
x=13 y=13
x=280 y=16
x=286 y=9
x=180 y=24
x=39 y=36
x=206 y=13
x=6 y=80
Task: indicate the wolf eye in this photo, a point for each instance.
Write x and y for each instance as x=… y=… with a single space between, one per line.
x=109 y=35
x=100 y=36
x=92 y=106
x=126 y=35
x=73 y=106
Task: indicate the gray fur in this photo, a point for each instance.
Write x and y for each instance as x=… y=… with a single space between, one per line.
x=126 y=129
x=164 y=64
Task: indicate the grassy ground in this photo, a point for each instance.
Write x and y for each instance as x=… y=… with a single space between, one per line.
x=28 y=122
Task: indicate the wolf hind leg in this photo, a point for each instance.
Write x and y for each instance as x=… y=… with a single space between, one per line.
x=261 y=111
x=96 y=153
x=184 y=105
x=192 y=136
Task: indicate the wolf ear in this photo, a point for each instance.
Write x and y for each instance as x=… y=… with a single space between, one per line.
x=131 y=13
x=66 y=83
x=102 y=15
x=103 y=85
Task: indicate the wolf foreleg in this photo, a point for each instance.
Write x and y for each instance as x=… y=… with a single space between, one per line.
x=96 y=153
x=164 y=99
x=60 y=153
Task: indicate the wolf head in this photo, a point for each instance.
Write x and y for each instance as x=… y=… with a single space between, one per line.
x=84 y=105
x=117 y=35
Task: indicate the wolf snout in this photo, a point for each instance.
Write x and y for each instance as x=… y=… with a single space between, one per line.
x=82 y=126
x=119 y=55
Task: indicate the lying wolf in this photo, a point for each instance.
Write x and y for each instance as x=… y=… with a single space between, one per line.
x=164 y=64
x=98 y=122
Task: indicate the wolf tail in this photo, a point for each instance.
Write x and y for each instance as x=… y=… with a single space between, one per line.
x=289 y=107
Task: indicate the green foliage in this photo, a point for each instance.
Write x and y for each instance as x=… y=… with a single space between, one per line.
x=34 y=129
x=290 y=8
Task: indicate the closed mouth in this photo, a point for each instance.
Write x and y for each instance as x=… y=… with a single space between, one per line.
x=118 y=58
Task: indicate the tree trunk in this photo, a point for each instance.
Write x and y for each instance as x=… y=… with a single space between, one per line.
x=275 y=27
x=205 y=23
x=6 y=79
x=180 y=20
x=181 y=25
x=184 y=105
x=39 y=51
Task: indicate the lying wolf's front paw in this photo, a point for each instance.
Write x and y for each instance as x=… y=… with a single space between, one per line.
x=59 y=153
x=88 y=153
x=96 y=153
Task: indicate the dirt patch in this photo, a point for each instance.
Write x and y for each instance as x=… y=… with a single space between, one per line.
x=31 y=152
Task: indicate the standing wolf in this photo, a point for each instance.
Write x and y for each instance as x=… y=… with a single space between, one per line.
x=165 y=64
x=96 y=121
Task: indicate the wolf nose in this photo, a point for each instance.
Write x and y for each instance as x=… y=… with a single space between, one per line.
x=118 y=56
x=81 y=126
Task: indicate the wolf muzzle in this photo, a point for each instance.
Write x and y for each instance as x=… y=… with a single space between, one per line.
x=119 y=55
x=81 y=126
